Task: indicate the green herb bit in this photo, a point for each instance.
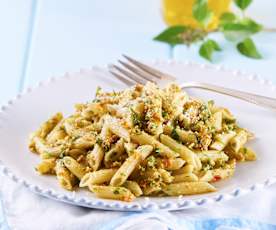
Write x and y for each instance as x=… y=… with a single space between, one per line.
x=207 y=49
x=116 y=191
x=175 y=135
x=151 y=161
x=136 y=119
x=157 y=151
x=99 y=141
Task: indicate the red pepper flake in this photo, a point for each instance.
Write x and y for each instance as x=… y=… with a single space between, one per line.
x=166 y=163
x=216 y=178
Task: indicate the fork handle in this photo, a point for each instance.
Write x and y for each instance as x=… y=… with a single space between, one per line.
x=267 y=102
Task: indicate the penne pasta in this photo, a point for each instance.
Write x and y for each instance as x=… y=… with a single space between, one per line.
x=74 y=167
x=142 y=141
x=95 y=157
x=111 y=192
x=65 y=178
x=46 y=166
x=97 y=177
x=133 y=187
x=188 y=188
x=185 y=177
x=171 y=163
x=248 y=154
x=47 y=151
x=166 y=176
x=184 y=152
x=185 y=169
x=145 y=139
x=130 y=164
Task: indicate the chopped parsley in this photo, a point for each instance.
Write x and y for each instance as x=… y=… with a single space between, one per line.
x=175 y=135
x=151 y=161
x=99 y=141
x=136 y=119
x=116 y=191
x=164 y=114
x=157 y=151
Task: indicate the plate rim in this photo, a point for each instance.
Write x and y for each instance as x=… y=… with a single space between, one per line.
x=135 y=206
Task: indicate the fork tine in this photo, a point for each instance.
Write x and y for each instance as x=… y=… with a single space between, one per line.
x=130 y=75
x=121 y=78
x=139 y=72
x=149 y=69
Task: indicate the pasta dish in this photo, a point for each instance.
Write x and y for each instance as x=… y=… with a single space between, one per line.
x=142 y=141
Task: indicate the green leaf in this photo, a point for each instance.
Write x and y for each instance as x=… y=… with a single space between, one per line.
x=248 y=48
x=180 y=35
x=171 y=35
x=239 y=30
x=243 y=4
x=227 y=17
x=207 y=48
x=201 y=12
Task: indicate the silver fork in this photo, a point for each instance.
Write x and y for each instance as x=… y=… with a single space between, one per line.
x=134 y=72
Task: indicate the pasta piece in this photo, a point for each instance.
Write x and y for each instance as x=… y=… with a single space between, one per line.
x=184 y=136
x=66 y=179
x=46 y=166
x=93 y=109
x=145 y=139
x=74 y=167
x=234 y=146
x=238 y=141
x=248 y=153
x=114 y=153
x=86 y=141
x=171 y=163
x=95 y=157
x=116 y=128
x=165 y=175
x=153 y=114
x=224 y=173
x=111 y=192
x=47 y=151
x=221 y=140
x=130 y=147
x=184 y=152
x=125 y=170
x=57 y=133
x=133 y=187
x=71 y=129
x=44 y=130
x=75 y=153
x=185 y=169
x=226 y=115
x=186 y=177
x=206 y=176
x=98 y=177
x=188 y=188
x=212 y=155
x=150 y=189
x=217 y=121
x=198 y=164
x=130 y=164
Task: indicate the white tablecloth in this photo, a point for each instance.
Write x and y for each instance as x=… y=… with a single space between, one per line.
x=26 y=211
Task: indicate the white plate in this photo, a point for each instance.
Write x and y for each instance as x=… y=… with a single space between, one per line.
x=25 y=113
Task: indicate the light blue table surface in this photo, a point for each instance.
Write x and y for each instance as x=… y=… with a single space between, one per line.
x=44 y=38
